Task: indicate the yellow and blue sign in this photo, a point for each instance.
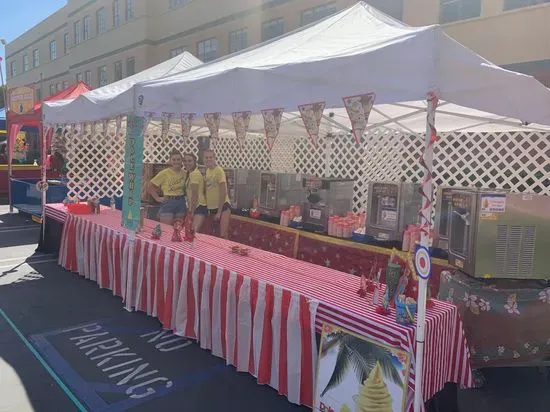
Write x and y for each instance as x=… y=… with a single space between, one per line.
x=133 y=165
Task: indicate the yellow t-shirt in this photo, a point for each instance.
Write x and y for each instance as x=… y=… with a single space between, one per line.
x=170 y=182
x=214 y=177
x=196 y=178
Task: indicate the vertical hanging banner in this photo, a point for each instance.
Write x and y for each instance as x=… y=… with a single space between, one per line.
x=133 y=165
x=186 y=123
x=272 y=123
x=166 y=118
x=359 y=108
x=241 y=121
x=213 y=123
x=311 y=115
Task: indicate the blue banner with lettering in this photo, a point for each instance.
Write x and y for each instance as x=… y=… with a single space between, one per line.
x=133 y=165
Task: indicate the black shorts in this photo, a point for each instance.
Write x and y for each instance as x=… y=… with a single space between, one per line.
x=201 y=210
x=226 y=206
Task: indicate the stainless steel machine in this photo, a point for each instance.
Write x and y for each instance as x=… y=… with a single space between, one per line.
x=243 y=187
x=391 y=207
x=278 y=191
x=500 y=235
x=323 y=198
x=443 y=207
x=442 y=214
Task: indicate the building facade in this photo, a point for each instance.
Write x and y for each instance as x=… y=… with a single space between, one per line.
x=101 y=41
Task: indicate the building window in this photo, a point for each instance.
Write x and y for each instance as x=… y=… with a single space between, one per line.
x=65 y=43
x=177 y=3
x=25 y=63
x=118 y=71
x=238 y=40
x=53 y=50
x=78 y=77
x=273 y=28
x=207 y=50
x=130 y=10
x=39 y=94
x=130 y=66
x=393 y=8
x=13 y=68
x=517 y=4
x=100 y=16
x=52 y=89
x=35 y=58
x=455 y=10
x=58 y=87
x=65 y=84
x=116 y=13
x=102 y=76
x=88 y=77
x=86 y=27
x=77 y=31
x=177 y=51
x=317 y=13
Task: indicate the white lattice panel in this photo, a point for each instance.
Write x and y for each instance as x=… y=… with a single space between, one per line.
x=253 y=156
x=95 y=163
x=156 y=149
x=519 y=161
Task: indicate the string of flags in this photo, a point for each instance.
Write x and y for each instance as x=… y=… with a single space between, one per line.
x=358 y=109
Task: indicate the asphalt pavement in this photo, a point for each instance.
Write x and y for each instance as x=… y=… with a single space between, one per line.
x=66 y=345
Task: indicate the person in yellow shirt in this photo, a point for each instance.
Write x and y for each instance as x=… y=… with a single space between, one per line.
x=168 y=189
x=194 y=189
x=217 y=199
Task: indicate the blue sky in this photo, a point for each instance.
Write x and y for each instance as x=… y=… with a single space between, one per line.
x=20 y=15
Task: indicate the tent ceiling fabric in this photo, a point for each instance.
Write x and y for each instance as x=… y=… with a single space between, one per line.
x=358 y=50
x=114 y=99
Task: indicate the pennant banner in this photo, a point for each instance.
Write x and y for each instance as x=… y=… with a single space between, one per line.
x=311 y=116
x=165 y=127
x=241 y=121
x=118 y=120
x=148 y=119
x=93 y=128
x=186 y=123
x=272 y=123
x=105 y=126
x=213 y=123
x=359 y=108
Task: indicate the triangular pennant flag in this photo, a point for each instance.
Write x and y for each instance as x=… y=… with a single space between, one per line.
x=186 y=122
x=105 y=126
x=93 y=128
x=241 y=121
x=118 y=123
x=359 y=108
x=272 y=123
x=213 y=123
x=311 y=115
x=166 y=119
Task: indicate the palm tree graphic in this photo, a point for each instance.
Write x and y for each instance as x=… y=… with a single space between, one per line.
x=359 y=354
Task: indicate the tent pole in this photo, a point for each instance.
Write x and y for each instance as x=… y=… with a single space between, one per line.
x=426 y=213
x=43 y=166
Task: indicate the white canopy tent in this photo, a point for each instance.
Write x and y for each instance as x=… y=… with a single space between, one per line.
x=114 y=99
x=360 y=50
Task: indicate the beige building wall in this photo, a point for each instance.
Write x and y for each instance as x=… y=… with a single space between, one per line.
x=518 y=39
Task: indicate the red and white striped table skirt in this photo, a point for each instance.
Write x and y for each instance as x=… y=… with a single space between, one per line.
x=260 y=312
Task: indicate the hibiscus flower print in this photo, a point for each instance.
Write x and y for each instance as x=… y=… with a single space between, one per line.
x=516 y=354
x=450 y=296
x=535 y=350
x=486 y=359
x=484 y=305
x=512 y=305
x=500 y=350
x=526 y=345
x=472 y=303
x=544 y=296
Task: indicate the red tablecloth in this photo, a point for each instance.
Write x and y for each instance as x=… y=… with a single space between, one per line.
x=258 y=312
